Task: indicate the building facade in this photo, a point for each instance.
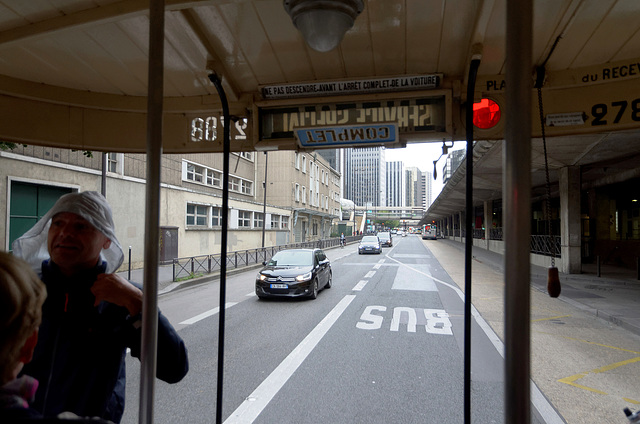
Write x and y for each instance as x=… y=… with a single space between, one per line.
x=396 y=192
x=306 y=185
x=191 y=198
x=365 y=176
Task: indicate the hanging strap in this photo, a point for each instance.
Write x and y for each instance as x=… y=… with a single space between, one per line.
x=540 y=71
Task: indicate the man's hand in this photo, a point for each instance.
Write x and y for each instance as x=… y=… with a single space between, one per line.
x=115 y=289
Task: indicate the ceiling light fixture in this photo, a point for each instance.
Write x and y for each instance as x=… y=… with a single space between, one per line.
x=323 y=23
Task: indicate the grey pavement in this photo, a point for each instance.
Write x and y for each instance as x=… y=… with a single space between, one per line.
x=613 y=296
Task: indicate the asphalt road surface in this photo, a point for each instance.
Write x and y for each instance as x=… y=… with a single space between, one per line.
x=384 y=344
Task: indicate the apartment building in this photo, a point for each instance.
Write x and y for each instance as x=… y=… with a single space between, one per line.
x=307 y=184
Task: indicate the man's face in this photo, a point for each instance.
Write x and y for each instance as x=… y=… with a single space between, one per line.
x=74 y=244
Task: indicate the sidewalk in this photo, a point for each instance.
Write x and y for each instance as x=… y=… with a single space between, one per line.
x=614 y=296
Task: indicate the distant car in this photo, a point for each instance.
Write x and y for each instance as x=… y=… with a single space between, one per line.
x=294 y=273
x=369 y=244
x=385 y=238
x=404 y=234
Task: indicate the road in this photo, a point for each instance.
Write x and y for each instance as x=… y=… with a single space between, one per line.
x=384 y=344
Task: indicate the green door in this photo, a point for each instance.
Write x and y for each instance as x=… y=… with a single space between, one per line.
x=29 y=203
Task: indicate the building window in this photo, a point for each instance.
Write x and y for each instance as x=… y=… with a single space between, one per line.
x=275 y=221
x=258 y=219
x=201 y=174
x=216 y=216
x=304 y=164
x=194 y=173
x=297 y=161
x=246 y=186
x=244 y=219
x=246 y=155
x=297 y=193
x=112 y=162
x=234 y=183
x=214 y=178
x=284 y=222
x=315 y=228
x=197 y=215
x=304 y=195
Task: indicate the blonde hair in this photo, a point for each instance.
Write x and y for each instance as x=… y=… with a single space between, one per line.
x=21 y=297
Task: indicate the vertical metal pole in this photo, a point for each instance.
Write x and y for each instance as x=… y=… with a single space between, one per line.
x=223 y=248
x=517 y=205
x=264 y=201
x=473 y=71
x=152 y=223
x=129 y=273
x=103 y=181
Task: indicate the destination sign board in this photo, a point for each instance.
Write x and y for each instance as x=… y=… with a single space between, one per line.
x=361 y=86
x=350 y=135
x=423 y=115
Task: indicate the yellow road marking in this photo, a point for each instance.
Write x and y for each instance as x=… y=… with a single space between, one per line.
x=571 y=380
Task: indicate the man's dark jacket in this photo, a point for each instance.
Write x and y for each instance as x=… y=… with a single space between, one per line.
x=80 y=356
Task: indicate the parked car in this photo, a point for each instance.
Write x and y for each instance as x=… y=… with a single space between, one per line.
x=369 y=244
x=385 y=238
x=294 y=273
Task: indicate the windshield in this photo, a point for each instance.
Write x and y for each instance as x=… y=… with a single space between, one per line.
x=384 y=236
x=369 y=239
x=291 y=258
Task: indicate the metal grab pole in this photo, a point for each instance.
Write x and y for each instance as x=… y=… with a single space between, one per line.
x=223 y=248
x=473 y=71
x=517 y=205
x=264 y=200
x=155 y=97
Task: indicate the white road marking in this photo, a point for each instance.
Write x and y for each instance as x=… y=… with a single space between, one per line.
x=537 y=398
x=410 y=278
x=253 y=405
x=360 y=285
x=250 y=294
x=370 y=274
x=207 y=314
x=377 y=266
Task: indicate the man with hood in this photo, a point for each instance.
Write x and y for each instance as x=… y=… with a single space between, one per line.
x=91 y=315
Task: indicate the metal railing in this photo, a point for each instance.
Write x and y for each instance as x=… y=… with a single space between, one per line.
x=540 y=244
x=545 y=245
x=190 y=267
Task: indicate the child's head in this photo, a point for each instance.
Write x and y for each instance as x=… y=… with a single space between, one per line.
x=21 y=297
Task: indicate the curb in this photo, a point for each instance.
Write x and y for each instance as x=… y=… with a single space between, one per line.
x=205 y=279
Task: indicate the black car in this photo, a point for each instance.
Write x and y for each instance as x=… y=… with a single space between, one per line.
x=369 y=244
x=294 y=273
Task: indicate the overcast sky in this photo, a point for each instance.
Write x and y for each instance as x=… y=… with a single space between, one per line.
x=422 y=155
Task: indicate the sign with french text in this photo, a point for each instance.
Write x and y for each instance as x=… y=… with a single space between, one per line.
x=363 y=86
x=350 y=135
